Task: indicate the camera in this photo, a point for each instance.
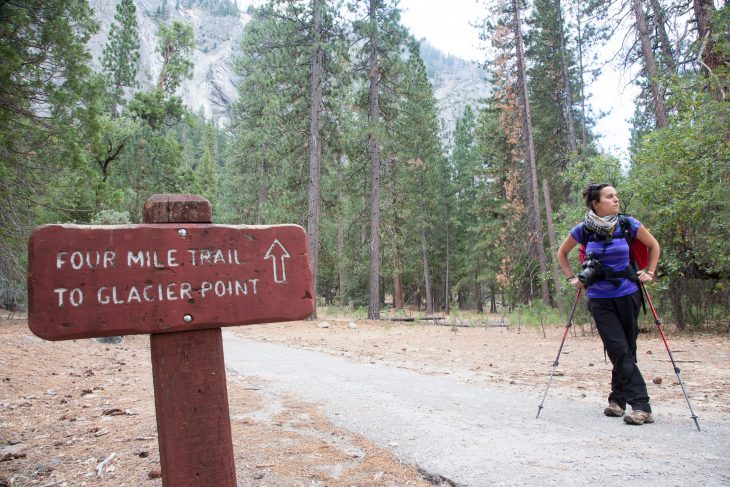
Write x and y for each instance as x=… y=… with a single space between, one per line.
x=592 y=270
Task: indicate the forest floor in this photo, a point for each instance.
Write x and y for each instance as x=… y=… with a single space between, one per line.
x=82 y=413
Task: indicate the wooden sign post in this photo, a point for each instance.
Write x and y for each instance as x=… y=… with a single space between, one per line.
x=180 y=279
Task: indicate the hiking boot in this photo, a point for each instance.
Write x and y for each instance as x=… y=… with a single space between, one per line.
x=638 y=417
x=613 y=410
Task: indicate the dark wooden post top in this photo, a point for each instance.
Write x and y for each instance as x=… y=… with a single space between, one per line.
x=177 y=208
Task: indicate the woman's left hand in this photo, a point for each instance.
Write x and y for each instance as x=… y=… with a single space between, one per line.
x=645 y=277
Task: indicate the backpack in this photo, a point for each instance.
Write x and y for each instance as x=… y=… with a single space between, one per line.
x=638 y=252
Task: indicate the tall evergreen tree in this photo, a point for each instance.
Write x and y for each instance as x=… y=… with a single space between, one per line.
x=286 y=117
x=175 y=46
x=315 y=137
x=379 y=63
x=535 y=227
x=374 y=149
x=466 y=160
x=650 y=64
x=417 y=133
x=120 y=57
x=207 y=170
x=551 y=91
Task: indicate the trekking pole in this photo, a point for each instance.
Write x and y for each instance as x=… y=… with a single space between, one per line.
x=555 y=364
x=676 y=369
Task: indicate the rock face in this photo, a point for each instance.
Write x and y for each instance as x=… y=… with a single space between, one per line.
x=212 y=90
x=213 y=87
x=456 y=84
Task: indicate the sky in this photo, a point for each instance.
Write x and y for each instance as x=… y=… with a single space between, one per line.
x=447 y=27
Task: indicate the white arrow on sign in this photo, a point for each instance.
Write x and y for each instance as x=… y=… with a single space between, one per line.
x=278 y=250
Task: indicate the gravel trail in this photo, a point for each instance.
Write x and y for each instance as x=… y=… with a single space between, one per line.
x=478 y=435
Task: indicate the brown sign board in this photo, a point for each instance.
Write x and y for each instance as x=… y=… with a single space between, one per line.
x=92 y=281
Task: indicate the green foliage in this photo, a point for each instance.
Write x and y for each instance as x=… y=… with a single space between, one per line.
x=548 y=96
x=44 y=77
x=156 y=108
x=121 y=53
x=206 y=174
x=536 y=314
x=175 y=45
x=467 y=220
x=110 y=217
x=684 y=172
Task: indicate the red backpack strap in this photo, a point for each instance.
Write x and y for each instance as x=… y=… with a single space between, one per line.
x=582 y=251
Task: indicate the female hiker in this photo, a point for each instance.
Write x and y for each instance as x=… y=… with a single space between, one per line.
x=614 y=295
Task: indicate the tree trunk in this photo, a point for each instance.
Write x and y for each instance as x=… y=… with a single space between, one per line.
x=581 y=69
x=398 y=289
x=551 y=235
x=703 y=15
x=536 y=239
x=340 y=232
x=263 y=186
x=661 y=27
x=704 y=10
x=478 y=298
x=447 y=291
x=492 y=298
x=568 y=92
x=315 y=143
x=652 y=73
x=424 y=242
x=374 y=298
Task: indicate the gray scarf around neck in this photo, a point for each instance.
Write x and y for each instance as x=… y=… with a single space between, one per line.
x=601 y=226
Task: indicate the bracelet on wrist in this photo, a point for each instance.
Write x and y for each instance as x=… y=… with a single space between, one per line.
x=651 y=273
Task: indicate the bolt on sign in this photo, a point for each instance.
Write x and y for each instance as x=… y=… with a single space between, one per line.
x=90 y=281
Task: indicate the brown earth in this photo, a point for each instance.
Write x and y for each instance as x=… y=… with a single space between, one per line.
x=82 y=413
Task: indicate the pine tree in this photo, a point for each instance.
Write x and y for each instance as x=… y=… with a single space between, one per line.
x=378 y=64
x=535 y=228
x=551 y=85
x=518 y=269
x=285 y=133
x=175 y=45
x=120 y=57
x=426 y=179
x=466 y=161
x=207 y=170
x=315 y=137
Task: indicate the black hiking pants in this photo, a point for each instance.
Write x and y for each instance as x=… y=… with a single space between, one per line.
x=616 y=320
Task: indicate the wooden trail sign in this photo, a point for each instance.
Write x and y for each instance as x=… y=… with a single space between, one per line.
x=90 y=281
x=178 y=278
